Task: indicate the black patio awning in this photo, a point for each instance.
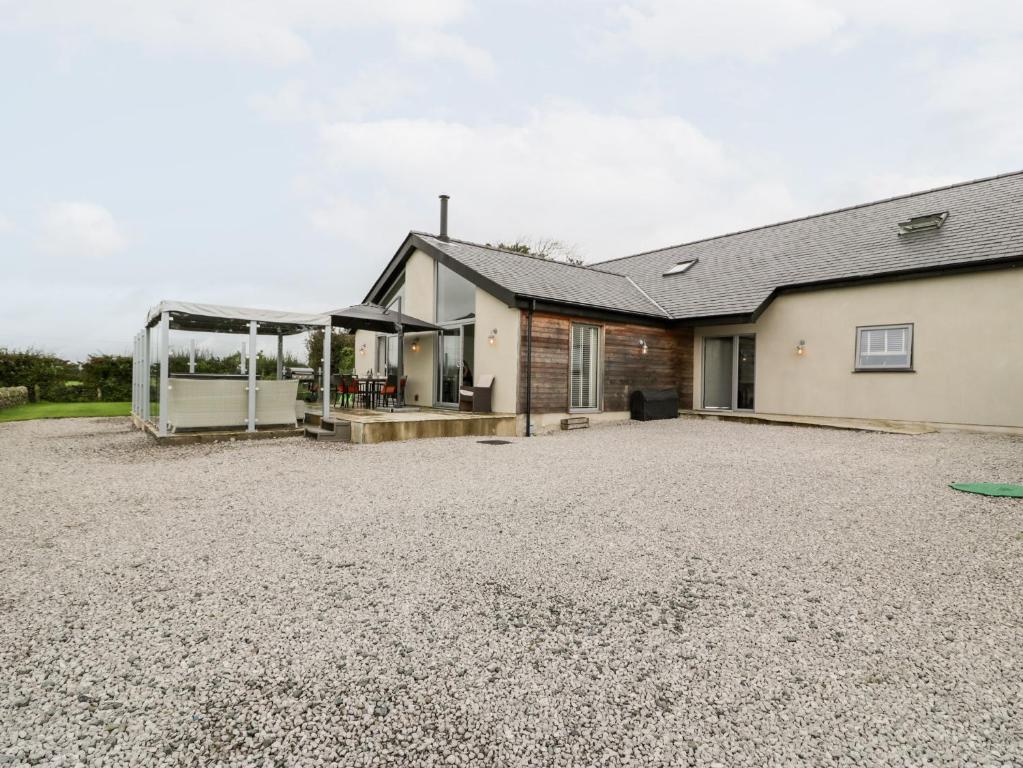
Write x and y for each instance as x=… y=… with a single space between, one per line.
x=370 y=317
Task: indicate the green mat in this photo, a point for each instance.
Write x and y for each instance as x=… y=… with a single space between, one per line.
x=990 y=489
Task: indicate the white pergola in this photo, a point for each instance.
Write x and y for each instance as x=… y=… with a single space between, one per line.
x=215 y=318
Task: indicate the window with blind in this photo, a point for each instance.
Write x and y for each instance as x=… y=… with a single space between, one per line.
x=585 y=367
x=884 y=348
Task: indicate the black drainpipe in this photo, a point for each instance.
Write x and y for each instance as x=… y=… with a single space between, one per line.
x=529 y=365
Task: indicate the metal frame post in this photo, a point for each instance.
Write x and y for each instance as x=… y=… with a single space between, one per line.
x=134 y=373
x=138 y=372
x=400 y=398
x=326 y=394
x=252 y=377
x=191 y=355
x=164 y=371
x=280 y=356
x=147 y=364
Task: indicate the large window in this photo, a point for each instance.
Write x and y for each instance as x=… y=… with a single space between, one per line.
x=456 y=296
x=585 y=367
x=884 y=348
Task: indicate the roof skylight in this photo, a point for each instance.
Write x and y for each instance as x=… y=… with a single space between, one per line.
x=922 y=223
x=681 y=267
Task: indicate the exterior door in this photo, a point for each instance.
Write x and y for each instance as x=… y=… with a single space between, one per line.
x=450 y=356
x=455 y=362
x=729 y=372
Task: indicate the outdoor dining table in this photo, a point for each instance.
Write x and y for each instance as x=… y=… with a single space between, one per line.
x=371 y=390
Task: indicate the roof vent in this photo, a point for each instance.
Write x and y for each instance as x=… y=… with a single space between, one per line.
x=922 y=223
x=681 y=267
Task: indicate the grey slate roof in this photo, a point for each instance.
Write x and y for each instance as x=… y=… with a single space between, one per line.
x=737 y=273
x=533 y=277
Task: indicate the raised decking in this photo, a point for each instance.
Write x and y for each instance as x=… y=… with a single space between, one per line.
x=377 y=426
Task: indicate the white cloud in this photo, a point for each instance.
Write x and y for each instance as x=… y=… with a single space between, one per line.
x=6 y=225
x=756 y=30
x=80 y=229
x=746 y=29
x=367 y=92
x=267 y=30
x=978 y=94
x=613 y=184
x=443 y=46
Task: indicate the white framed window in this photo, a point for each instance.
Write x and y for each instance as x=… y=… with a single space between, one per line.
x=884 y=347
x=584 y=368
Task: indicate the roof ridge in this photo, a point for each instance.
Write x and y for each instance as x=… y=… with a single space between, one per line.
x=588 y=267
x=814 y=216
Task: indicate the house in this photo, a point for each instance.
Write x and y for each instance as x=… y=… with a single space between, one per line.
x=908 y=309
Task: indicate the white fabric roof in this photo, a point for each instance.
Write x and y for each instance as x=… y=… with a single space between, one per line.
x=190 y=316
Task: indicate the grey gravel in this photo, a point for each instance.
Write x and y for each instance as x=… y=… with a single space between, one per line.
x=672 y=593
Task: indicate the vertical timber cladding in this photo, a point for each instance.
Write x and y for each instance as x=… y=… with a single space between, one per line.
x=667 y=364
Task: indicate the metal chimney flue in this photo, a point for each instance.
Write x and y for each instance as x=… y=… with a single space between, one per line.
x=444 y=217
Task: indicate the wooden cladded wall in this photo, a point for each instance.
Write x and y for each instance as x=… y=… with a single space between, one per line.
x=668 y=362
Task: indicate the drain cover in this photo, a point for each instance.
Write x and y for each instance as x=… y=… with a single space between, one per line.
x=493 y=442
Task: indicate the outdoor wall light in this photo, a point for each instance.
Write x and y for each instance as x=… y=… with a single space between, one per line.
x=492 y=338
x=801 y=348
x=362 y=349
x=414 y=346
x=642 y=346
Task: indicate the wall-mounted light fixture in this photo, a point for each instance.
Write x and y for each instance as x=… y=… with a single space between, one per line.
x=414 y=346
x=492 y=338
x=642 y=346
x=362 y=349
x=801 y=348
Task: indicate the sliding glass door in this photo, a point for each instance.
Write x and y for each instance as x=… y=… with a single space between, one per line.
x=717 y=372
x=729 y=372
x=455 y=362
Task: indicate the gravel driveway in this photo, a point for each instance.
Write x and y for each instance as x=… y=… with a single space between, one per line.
x=673 y=593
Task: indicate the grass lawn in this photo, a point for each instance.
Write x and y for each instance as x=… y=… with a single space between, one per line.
x=63 y=411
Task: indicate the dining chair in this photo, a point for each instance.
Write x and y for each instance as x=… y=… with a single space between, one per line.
x=390 y=389
x=351 y=390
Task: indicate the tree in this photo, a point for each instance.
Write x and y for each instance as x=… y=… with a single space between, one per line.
x=545 y=248
x=109 y=376
x=342 y=350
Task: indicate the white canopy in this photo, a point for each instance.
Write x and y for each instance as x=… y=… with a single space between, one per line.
x=217 y=318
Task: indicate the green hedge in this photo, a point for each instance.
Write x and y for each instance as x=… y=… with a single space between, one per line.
x=12 y=396
x=36 y=370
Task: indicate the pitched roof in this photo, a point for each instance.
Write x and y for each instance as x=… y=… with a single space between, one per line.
x=737 y=273
x=534 y=277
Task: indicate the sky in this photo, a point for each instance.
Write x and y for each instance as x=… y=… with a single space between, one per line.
x=275 y=155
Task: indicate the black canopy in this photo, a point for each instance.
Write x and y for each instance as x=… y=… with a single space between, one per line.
x=371 y=317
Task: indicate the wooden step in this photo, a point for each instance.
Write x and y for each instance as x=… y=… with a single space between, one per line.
x=575 y=422
x=341 y=434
